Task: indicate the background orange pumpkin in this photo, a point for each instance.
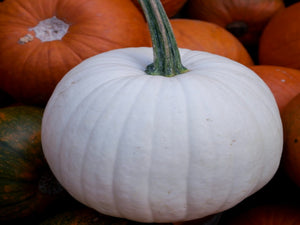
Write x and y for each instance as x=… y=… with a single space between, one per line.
x=291 y=151
x=172 y=7
x=30 y=68
x=244 y=18
x=205 y=36
x=284 y=82
x=267 y=215
x=280 y=41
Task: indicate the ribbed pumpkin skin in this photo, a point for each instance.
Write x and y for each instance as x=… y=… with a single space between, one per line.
x=30 y=71
x=172 y=7
x=268 y=215
x=234 y=14
x=204 y=36
x=291 y=152
x=161 y=149
x=21 y=163
x=280 y=41
x=284 y=82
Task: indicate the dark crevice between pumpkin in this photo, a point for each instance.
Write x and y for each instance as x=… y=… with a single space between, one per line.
x=49 y=185
x=237 y=28
x=167 y=61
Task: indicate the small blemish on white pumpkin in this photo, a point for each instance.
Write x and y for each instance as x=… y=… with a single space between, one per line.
x=50 y=29
x=232 y=142
x=208 y=120
x=25 y=39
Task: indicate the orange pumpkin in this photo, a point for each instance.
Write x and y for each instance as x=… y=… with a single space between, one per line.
x=41 y=40
x=284 y=82
x=244 y=18
x=267 y=215
x=172 y=7
x=291 y=152
x=204 y=36
x=280 y=41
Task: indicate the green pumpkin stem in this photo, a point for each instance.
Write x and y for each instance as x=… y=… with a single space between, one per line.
x=167 y=61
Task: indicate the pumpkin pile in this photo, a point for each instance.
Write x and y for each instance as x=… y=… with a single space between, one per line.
x=149 y=111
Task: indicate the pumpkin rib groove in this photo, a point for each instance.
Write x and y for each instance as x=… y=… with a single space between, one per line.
x=50 y=68
x=78 y=106
x=27 y=58
x=226 y=88
x=106 y=40
x=206 y=128
x=69 y=43
x=155 y=110
x=246 y=105
x=16 y=22
x=91 y=92
x=189 y=151
x=51 y=45
x=254 y=117
x=187 y=96
x=81 y=119
x=154 y=114
x=103 y=112
x=152 y=165
x=26 y=63
x=29 y=12
x=121 y=134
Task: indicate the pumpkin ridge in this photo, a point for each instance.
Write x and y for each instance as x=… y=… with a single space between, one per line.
x=28 y=12
x=155 y=114
x=26 y=61
x=52 y=45
x=68 y=43
x=90 y=137
x=71 y=116
x=228 y=88
x=74 y=110
x=188 y=125
x=118 y=148
x=107 y=40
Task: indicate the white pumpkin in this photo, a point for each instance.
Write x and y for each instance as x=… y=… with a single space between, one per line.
x=161 y=149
